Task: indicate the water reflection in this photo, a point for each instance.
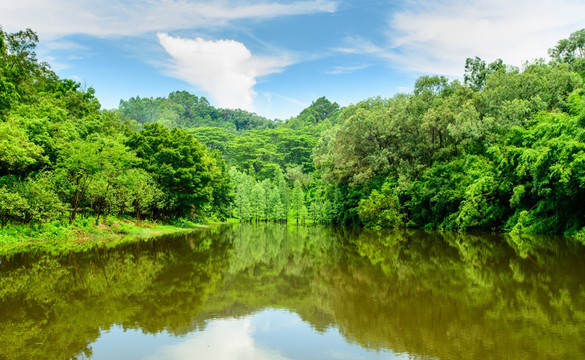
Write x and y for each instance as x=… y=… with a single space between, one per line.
x=268 y=334
x=363 y=294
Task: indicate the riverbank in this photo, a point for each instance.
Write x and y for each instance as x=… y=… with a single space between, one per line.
x=57 y=237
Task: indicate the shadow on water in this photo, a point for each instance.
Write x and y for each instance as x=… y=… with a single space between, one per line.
x=429 y=295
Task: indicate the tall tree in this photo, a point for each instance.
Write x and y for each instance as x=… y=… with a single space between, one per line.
x=571 y=51
x=179 y=164
x=298 y=208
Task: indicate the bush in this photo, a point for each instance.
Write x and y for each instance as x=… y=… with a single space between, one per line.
x=381 y=209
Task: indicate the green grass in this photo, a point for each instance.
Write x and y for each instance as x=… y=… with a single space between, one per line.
x=59 y=236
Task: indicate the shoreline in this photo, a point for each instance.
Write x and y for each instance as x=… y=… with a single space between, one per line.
x=56 y=238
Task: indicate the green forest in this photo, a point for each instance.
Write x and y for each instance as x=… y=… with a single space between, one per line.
x=504 y=150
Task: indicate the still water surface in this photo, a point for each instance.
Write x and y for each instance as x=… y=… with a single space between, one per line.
x=278 y=292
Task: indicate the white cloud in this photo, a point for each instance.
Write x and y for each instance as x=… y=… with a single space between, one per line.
x=55 y=18
x=437 y=37
x=225 y=69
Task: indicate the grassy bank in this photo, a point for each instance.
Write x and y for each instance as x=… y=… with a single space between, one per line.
x=83 y=234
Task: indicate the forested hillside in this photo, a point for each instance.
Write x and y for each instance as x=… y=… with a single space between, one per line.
x=184 y=110
x=504 y=150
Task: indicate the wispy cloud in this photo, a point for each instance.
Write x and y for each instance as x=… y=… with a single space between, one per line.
x=55 y=18
x=225 y=69
x=62 y=45
x=55 y=63
x=285 y=98
x=359 y=45
x=437 y=37
x=337 y=70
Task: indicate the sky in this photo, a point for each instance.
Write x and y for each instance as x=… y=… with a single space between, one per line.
x=275 y=57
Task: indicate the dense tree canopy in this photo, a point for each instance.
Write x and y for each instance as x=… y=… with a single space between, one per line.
x=504 y=150
x=61 y=155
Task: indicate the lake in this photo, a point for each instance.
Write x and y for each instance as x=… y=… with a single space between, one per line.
x=286 y=292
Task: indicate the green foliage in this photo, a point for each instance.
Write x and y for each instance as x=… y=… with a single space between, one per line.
x=298 y=209
x=78 y=164
x=215 y=138
x=263 y=151
x=61 y=156
x=179 y=164
x=266 y=200
x=258 y=201
x=19 y=67
x=8 y=94
x=549 y=158
x=476 y=71
x=361 y=146
x=381 y=209
x=144 y=194
x=485 y=198
x=222 y=188
x=12 y=206
x=43 y=202
x=184 y=110
x=571 y=51
x=503 y=151
x=319 y=112
x=17 y=152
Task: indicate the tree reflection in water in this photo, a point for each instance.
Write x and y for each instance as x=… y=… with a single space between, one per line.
x=440 y=295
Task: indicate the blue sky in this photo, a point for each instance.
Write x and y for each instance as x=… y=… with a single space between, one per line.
x=274 y=57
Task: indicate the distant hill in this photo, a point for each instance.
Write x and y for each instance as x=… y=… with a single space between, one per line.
x=184 y=110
